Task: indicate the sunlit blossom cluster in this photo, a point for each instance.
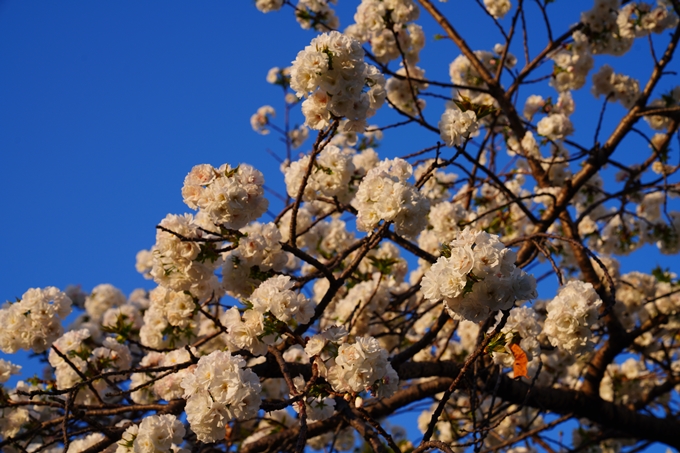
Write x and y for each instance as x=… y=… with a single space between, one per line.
x=331 y=74
x=229 y=196
x=385 y=194
x=218 y=390
x=155 y=434
x=615 y=87
x=477 y=278
x=329 y=176
x=498 y=8
x=35 y=321
x=455 y=126
x=273 y=301
x=572 y=315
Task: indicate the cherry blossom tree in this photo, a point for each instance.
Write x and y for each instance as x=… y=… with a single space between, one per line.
x=390 y=283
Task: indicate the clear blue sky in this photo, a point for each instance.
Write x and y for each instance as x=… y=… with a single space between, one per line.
x=105 y=106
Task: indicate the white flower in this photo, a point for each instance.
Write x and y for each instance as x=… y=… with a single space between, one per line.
x=330 y=176
x=385 y=194
x=218 y=390
x=231 y=197
x=260 y=119
x=7 y=369
x=456 y=125
x=555 y=127
x=315 y=345
x=267 y=6
x=498 y=8
x=332 y=70
x=532 y=105
x=155 y=434
x=274 y=295
x=477 y=278
x=34 y=322
x=363 y=366
x=571 y=315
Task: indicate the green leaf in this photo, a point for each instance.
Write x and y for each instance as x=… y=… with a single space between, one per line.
x=208 y=253
x=497 y=343
x=384 y=265
x=662 y=275
x=445 y=251
x=257 y=274
x=232 y=172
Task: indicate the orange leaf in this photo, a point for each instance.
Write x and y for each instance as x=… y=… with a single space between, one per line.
x=519 y=368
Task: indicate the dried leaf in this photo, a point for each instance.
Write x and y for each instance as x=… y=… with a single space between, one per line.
x=519 y=368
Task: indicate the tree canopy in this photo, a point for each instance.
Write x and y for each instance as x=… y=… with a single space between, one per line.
x=413 y=279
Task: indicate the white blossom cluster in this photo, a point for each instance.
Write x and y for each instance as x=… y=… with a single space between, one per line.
x=13 y=418
x=455 y=126
x=218 y=390
x=616 y=87
x=176 y=263
x=641 y=297
x=478 y=278
x=332 y=75
x=385 y=194
x=176 y=307
x=498 y=8
x=527 y=147
x=353 y=367
x=230 y=197
x=638 y=19
x=572 y=64
x=463 y=73
x=403 y=93
x=364 y=299
x=522 y=322
x=267 y=6
x=436 y=187
x=363 y=366
x=571 y=316
x=378 y=22
x=83 y=360
x=167 y=387
x=625 y=232
x=330 y=176
x=318 y=407
x=323 y=238
x=628 y=382
x=169 y=320
x=533 y=105
x=258 y=254
x=611 y=28
x=279 y=76
x=316 y=14
x=298 y=135
x=658 y=122
x=555 y=127
x=602 y=29
x=103 y=298
x=273 y=301
x=261 y=118
x=155 y=434
x=33 y=322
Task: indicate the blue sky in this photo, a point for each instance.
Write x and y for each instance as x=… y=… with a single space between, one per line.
x=105 y=106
